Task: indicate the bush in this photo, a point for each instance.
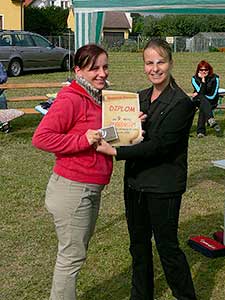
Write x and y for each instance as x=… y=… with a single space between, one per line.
x=213 y=49
x=46 y=20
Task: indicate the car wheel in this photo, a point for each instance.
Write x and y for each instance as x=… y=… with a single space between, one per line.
x=67 y=63
x=15 y=68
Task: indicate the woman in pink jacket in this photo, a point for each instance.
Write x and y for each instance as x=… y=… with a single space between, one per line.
x=70 y=131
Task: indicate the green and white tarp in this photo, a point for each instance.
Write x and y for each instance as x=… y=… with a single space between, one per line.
x=93 y=11
x=159 y=6
x=88 y=28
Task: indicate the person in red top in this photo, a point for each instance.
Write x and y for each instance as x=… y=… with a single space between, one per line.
x=70 y=130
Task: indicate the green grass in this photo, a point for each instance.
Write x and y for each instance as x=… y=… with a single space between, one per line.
x=27 y=239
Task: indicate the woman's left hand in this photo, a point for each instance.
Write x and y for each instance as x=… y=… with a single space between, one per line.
x=194 y=94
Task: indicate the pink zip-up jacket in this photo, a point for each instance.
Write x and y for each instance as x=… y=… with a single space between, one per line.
x=62 y=132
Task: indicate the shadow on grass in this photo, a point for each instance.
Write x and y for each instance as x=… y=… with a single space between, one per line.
x=209 y=172
x=204 y=269
x=102 y=228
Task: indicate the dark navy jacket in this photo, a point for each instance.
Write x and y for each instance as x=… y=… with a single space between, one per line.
x=209 y=88
x=159 y=163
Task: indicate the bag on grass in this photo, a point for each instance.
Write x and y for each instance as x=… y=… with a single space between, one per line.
x=207 y=246
x=218 y=236
x=3 y=101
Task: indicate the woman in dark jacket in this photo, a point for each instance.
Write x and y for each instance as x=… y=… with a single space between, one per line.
x=205 y=96
x=155 y=178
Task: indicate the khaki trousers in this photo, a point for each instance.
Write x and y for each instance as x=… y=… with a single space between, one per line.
x=75 y=208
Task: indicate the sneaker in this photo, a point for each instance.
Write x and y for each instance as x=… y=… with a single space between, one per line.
x=212 y=122
x=217 y=130
x=5 y=127
x=200 y=135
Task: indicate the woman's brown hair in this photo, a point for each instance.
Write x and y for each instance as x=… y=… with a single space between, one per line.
x=87 y=55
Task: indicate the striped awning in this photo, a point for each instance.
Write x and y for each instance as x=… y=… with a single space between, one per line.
x=89 y=14
x=88 y=28
x=163 y=6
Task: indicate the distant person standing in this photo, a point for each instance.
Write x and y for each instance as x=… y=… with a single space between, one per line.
x=205 y=96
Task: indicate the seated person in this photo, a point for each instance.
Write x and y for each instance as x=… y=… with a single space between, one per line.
x=205 y=96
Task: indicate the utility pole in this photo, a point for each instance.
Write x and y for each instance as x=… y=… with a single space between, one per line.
x=21 y=15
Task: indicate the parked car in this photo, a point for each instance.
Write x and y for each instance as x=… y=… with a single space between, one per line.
x=26 y=51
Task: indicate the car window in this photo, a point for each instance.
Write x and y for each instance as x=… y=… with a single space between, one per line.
x=5 y=40
x=23 y=40
x=41 y=42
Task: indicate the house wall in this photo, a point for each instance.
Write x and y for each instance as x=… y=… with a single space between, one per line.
x=44 y=3
x=10 y=14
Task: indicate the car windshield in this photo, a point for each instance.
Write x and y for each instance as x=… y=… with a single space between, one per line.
x=41 y=42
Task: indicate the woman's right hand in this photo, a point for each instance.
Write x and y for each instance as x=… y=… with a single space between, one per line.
x=106 y=148
x=202 y=76
x=93 y=136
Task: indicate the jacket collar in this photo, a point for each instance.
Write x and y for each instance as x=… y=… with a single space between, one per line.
x=81 y=90
x=165 y=96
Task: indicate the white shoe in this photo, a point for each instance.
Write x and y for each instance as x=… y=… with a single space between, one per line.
x=212 y=122
x=200 y=135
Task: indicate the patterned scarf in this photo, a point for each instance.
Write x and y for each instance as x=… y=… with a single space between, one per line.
x=92 y=91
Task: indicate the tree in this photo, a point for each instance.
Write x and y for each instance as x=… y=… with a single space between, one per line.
x=151 y=27
x=182 y=25
x=138 y=23
x=46 y=21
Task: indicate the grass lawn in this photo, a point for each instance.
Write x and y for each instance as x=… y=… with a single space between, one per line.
x=27 y=238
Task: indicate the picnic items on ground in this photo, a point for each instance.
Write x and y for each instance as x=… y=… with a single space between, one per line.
x=43 y=107
x=207 y=246
x=7 y=115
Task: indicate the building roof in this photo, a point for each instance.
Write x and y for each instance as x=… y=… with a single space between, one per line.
x=116 y=20
x=27 y=2
x=207 y=35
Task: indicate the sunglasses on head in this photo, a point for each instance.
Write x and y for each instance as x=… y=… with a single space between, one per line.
x=206 y=70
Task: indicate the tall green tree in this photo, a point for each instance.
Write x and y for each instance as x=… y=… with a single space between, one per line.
x=151 y=26
x=182 y=25
x=138 y=23
x=46 y=21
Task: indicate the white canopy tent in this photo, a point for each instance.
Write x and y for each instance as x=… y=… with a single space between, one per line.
x=89 y=14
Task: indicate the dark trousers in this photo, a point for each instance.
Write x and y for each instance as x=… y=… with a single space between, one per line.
x=206 y=108
x=147 y=215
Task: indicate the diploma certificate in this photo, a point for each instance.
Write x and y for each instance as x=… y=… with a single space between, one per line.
x=121 y=109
